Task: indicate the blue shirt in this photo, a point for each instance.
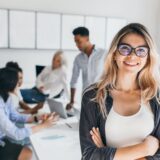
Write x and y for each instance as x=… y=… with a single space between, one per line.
x=91 y=67
x=8 y=117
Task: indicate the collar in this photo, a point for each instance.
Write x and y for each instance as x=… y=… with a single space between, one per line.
x=94 y=48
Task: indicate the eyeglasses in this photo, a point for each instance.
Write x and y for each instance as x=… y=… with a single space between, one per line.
x=126 y=49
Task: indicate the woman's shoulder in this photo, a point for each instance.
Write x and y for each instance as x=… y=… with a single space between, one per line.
x=7 y=103
x=88 y=103
x=90 y=91
x=88 y=97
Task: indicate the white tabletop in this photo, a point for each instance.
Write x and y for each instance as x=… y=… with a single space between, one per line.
x=61 y=142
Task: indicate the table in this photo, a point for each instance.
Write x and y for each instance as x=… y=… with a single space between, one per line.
x=60 y=142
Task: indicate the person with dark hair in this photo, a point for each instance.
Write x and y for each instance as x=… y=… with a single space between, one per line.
x=9 y=116
x=83 y=31
x=19 y=104
x=14 y=65
x=89 y=61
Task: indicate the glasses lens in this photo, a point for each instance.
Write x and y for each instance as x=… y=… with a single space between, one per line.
x=124 y=49
x=141 y=51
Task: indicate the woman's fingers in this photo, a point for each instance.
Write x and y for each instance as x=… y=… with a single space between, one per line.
x=53 y=118
x=56 y=118
x=96 y=137
x=53 y=114
x=97 y=133
x=44 y=117
x=95 y=140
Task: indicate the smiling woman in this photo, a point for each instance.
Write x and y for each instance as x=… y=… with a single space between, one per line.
x=132 y=53
x=120 y=114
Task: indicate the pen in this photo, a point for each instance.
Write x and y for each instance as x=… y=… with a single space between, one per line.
x=68 y=125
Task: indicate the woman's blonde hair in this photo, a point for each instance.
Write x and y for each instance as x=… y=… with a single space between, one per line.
x=63 y=58
x=148 y=78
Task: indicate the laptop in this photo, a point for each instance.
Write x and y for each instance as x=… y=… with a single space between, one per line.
x=59 y=107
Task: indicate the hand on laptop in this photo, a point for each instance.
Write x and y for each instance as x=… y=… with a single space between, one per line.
x=69 y=106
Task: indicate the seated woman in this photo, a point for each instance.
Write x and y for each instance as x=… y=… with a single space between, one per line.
x=120 y=115
x=9 y=116
x=50 y=82
x=19 y=104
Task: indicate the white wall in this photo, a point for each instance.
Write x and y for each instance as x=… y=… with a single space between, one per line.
x=158 y=28
x=143 y=11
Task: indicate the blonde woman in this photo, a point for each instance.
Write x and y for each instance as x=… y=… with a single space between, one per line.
x=53 y=78
x=50 y=82
x=120 y=115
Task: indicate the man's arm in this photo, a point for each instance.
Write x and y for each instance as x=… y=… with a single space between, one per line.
x=70 y=104
x=75 y=75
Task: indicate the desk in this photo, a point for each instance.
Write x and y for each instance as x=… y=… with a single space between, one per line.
x=60 y=142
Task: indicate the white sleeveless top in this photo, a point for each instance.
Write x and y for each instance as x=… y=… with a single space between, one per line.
x=123 y=131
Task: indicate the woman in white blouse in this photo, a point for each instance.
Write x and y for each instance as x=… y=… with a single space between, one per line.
x=50 y=82
x=120 y=115
x=53 y=78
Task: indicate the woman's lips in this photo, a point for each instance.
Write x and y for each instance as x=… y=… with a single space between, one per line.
x=131 y=64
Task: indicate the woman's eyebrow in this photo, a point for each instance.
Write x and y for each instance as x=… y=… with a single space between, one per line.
x=144 y=45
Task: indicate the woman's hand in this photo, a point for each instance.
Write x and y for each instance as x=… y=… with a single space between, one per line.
x=96 y=137
x=50 y=120
x=43 y=117
x=152 y=144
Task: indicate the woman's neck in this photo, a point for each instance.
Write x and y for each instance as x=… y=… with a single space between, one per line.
x=127 y=82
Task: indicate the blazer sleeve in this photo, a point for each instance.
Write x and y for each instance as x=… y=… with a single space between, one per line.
x=88 y=119
x=157 y=135
x=156 y=132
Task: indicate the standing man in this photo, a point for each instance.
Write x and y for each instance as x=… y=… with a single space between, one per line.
x=90 y=61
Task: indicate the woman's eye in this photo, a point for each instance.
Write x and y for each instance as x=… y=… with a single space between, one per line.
x=141 y=50
x=125 y=49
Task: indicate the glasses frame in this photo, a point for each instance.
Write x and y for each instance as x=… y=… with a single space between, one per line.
x=132 y=50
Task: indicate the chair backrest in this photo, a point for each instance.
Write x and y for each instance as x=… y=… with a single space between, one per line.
x=39 y=69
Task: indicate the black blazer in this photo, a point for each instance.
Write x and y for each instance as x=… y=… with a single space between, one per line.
x=92 y=117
